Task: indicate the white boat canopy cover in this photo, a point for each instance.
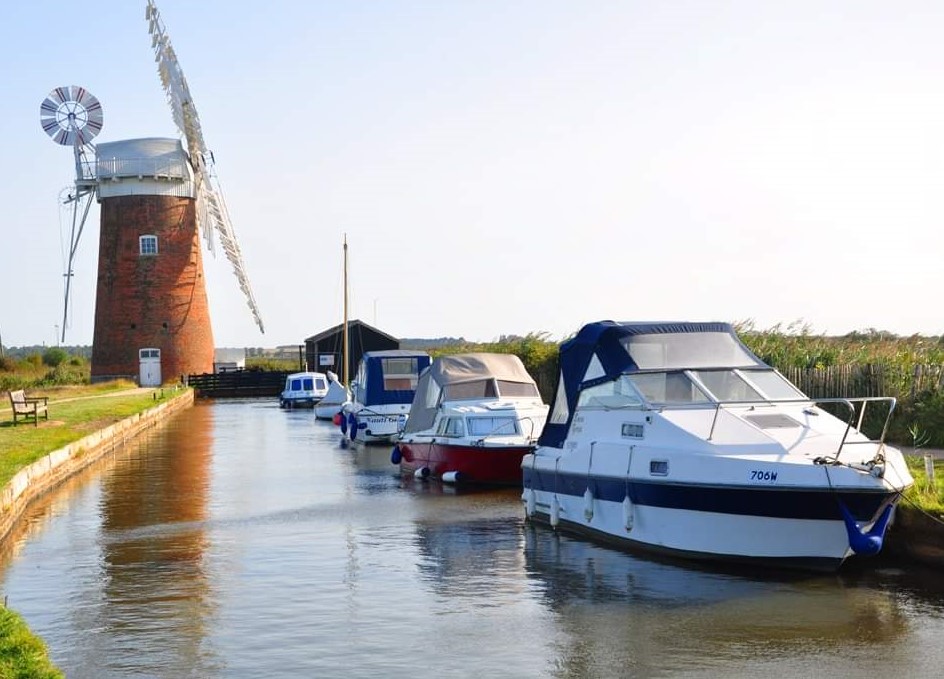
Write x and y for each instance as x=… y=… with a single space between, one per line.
x=467 y=377
x=604 y=350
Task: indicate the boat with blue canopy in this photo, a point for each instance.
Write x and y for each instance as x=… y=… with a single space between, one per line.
x=382 y=392
x=676 y=438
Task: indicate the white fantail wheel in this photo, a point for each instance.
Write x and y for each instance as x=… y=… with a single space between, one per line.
x=71 y=115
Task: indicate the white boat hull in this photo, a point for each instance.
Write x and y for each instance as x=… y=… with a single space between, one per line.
x=803 y=543
x=798 y=525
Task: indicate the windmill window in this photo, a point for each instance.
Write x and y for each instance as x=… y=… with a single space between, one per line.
x=148 y=245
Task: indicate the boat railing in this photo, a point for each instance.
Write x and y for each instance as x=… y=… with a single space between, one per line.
x=856 y=415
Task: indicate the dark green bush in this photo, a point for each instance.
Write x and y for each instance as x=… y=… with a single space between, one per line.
x=53 y=356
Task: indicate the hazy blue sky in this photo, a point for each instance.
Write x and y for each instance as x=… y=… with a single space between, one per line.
x=511 y=166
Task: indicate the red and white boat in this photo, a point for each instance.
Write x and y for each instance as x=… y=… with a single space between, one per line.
x=473 y=417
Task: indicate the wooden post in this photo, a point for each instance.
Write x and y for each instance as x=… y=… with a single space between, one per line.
x=929 y=469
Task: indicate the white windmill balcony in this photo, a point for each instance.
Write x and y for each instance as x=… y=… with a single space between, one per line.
x=150 y=166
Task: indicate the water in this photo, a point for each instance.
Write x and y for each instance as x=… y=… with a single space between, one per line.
x=240 y=540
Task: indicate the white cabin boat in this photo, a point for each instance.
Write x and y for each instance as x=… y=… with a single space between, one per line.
x=303 y=390
x=674 y=437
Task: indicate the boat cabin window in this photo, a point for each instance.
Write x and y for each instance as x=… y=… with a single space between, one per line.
x=728 y=385
x=493 y=426
x=470 y=390
x=773 y=385
x=517 y=389
x=320 y=384
x=450 y=426
x=400 y=374
x=617 y=393
x=668 y=387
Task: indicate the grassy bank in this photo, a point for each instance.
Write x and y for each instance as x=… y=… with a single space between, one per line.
x=22 y=654
x=923 y=494
x=74 y=412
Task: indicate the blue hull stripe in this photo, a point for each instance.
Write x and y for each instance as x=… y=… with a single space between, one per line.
x=769 y=501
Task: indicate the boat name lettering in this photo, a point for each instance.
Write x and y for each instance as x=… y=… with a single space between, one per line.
x=763 y=475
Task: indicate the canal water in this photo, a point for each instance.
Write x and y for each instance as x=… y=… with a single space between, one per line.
x=240 y=540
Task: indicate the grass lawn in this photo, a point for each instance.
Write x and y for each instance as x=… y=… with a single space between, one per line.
x=74 y=412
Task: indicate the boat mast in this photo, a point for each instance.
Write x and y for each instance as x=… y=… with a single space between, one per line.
x=344 y=349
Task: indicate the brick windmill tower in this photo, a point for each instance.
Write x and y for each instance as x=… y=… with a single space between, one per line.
x=152 y=319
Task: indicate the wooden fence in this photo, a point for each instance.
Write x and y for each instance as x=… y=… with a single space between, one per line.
x=855 y=381
x=245 y=383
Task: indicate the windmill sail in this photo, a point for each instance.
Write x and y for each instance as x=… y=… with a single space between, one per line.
x=212 y=215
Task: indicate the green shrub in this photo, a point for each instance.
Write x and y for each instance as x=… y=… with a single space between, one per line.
x=34 y=360
x=7 y=364
x=53 y=356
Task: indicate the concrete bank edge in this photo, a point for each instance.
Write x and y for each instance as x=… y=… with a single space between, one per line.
x=48 y=472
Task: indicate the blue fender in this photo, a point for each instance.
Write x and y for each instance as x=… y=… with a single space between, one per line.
x=396 y=455
x=870 y=542
x=352 y=425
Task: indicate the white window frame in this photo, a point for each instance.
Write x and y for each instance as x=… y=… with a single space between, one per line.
x=145 y=251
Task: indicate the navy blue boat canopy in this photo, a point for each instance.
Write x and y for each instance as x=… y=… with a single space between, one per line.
x=389 y=377
x=604 y=350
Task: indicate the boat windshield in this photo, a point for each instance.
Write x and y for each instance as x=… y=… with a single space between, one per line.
x=668 y=387
x=492 y=426
x=690 y=387
x=680 y=350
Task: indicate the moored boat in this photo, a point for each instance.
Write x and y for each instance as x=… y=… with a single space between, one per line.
x=303 y=390
x=334 y=399
x=675 y=437
x=473 y=418
x=382 y=392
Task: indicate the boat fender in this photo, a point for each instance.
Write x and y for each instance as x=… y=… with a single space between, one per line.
x=588 y=505
x=452 y=477
x=555 y=511
x=352 y=426
x=396 y=455
x=421 y=473
x=628 y=512
x=336 y=419
x=343 y=423
x=869 y=542
x=529 y=502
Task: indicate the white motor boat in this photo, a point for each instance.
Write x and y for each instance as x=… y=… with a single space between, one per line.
x=303 y=390
x=676 y=438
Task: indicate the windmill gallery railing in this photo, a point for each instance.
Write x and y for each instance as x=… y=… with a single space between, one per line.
x=158 y=168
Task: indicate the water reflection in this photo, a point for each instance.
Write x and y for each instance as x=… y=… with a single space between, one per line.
x=155 y=590
x=621 y=611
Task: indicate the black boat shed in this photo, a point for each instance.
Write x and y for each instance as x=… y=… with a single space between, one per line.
x=323 y=351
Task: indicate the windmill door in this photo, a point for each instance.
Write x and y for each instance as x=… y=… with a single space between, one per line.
x=150 y=360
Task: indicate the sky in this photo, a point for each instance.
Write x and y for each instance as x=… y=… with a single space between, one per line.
x=504 y=167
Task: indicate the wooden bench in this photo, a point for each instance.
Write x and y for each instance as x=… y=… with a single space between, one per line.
x=26 y=408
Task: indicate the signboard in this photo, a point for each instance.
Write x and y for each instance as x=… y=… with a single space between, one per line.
x=325 y=359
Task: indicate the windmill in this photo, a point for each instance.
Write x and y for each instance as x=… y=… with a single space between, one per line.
x=72 y=116
x=156 y=200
